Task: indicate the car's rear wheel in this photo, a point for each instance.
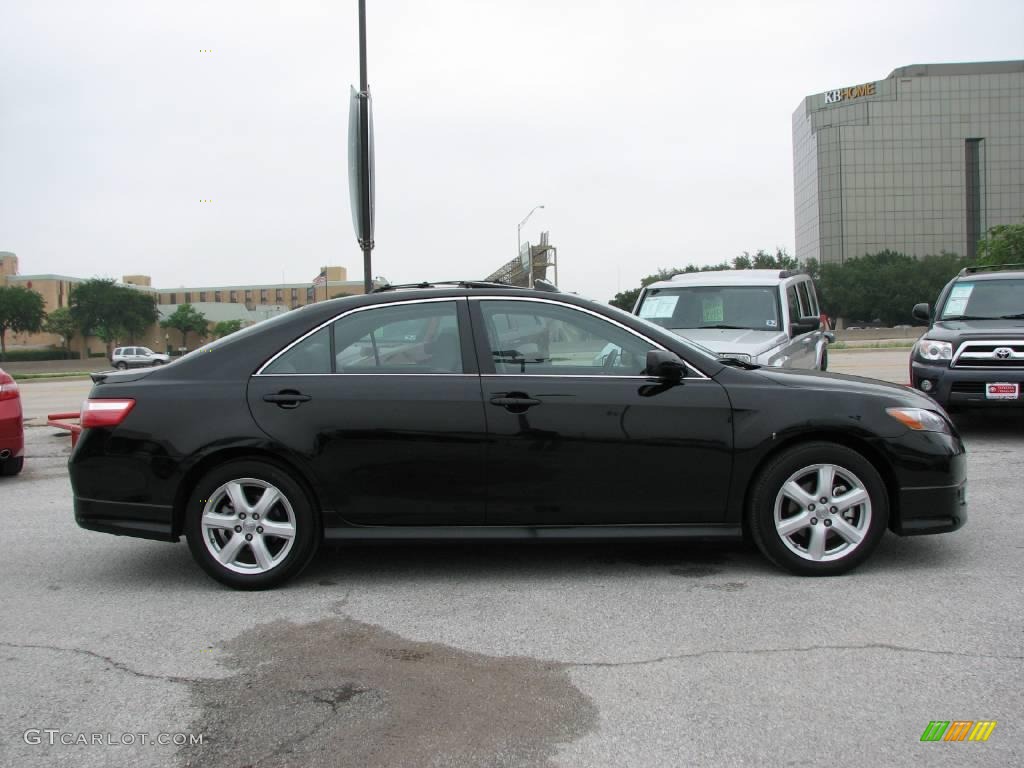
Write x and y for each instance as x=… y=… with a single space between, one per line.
x=250 y=525
x=818 y=509
x=11 y=467
x=121 y=366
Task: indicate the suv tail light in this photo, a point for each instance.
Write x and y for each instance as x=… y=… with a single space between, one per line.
x=8 y=386
x=105 y=413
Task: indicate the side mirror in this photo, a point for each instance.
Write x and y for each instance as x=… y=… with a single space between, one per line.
x=922 y=312
x=665 y=365
x=804 y=325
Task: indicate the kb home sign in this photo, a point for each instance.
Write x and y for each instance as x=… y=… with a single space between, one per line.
x=853 y=92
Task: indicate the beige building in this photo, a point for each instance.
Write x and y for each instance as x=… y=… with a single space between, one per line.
x=246 y=302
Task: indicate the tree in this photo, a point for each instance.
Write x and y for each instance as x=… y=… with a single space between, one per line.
x=1003 y=245
x=61 y=323
x=187 y=319
x=21 y=310
x=226 y=328
x=103 y=308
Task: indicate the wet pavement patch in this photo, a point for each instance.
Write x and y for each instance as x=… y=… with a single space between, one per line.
x=342 y=693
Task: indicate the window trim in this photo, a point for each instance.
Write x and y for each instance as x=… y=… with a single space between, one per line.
x=599 y=316
x=453 y=299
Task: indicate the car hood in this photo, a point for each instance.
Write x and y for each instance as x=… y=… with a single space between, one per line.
x=737 y=340
x=843 y=384
x=961 y=330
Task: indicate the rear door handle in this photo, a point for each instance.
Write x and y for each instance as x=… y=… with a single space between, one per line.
x=287 y=399
x=515 y=402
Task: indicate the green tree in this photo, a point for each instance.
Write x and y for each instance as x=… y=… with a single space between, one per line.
x=1003 y=245
x=140 y=313
x=226 y=328
x=187 y=320
x=103 y=308
x=61 y=323
x=21 y=310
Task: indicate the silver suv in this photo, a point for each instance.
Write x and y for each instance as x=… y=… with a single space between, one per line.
x=135 y=357
x=760 y=316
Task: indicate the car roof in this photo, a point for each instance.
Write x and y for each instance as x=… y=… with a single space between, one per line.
x=1004 y=274
x=730 y=277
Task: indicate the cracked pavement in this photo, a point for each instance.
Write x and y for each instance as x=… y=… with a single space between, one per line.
x=516 y=654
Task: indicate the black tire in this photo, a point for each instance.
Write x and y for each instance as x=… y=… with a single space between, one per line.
x=824 y=359
x=121 y=366
x=867 y=521
x=11 y=467
x=305 y=522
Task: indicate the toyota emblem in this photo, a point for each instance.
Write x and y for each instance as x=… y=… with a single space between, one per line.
x=1003 y=353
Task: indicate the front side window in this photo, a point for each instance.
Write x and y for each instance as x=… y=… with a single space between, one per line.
x=706 y=306
x=538 y=338
x=794 y=304
x=421 y=338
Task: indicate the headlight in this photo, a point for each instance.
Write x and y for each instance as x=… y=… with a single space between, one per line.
x=736 y=356
x=928 y=349
x=919 y=419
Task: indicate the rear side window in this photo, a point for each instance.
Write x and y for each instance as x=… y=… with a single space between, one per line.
x=311 y=355
x=420 y=338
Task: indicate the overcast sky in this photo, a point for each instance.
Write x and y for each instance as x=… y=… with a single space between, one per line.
x=655 y=132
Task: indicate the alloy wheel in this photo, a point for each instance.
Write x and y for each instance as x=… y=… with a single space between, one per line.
x=248 y=525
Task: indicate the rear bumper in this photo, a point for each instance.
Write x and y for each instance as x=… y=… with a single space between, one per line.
x=963 y=386
x=145 y=521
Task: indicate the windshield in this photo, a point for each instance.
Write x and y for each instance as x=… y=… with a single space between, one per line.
x=984 y=300
x=736 y=306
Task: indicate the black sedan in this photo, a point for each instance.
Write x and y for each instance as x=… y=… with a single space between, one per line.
x=473 y=410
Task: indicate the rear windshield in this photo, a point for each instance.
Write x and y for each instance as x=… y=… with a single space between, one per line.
x=734 y=306
x=984 y=300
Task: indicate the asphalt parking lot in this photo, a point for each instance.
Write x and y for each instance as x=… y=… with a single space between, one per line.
x=509 y=655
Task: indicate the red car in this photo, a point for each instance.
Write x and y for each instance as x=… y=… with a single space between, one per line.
x=12 y=431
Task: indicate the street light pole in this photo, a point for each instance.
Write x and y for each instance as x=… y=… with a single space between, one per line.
x=364 y=128
x=519 y=242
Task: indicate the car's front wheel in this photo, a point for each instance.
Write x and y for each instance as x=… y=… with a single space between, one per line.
x=818 y=509
x=250 y=525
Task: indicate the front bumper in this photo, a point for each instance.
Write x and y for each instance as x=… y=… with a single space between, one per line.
x=931 y=510
x=965 y=386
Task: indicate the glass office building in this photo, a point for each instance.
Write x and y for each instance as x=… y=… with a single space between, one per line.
x=922 y=162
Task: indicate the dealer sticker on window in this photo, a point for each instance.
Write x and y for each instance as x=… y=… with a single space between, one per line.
x=1002 y=390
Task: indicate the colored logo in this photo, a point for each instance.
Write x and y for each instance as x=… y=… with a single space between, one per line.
x=958 y=730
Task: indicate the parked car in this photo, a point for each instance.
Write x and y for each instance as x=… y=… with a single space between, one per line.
x=12 y=428
x=135 y=357
x=303 y=427
x=763 y=316
x=973 y=351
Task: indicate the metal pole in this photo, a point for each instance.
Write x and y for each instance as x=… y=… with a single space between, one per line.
x=364 y=127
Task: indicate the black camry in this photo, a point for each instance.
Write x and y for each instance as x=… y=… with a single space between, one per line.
x=474 y=410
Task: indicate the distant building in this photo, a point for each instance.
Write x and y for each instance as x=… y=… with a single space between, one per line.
x=247 y=302
x=927 y=160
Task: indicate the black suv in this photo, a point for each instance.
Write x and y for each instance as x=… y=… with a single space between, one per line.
x=973 y=350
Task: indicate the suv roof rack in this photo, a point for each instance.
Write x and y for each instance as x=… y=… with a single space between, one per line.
x=790 y=273
x=538 y=285
x=988 y=268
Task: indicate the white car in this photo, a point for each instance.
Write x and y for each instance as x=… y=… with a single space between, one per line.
x=761 y=316
x=135 y=357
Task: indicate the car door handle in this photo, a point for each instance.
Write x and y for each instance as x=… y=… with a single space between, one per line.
x=287 y=399
x=515 y=402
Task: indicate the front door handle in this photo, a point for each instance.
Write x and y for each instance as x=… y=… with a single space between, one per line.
x=515 y=402
x=287 y=398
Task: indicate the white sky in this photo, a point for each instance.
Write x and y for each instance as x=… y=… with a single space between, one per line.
x=656 y=133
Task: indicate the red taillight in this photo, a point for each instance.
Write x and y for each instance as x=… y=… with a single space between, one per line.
x=105 y=413
x=8 y=387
